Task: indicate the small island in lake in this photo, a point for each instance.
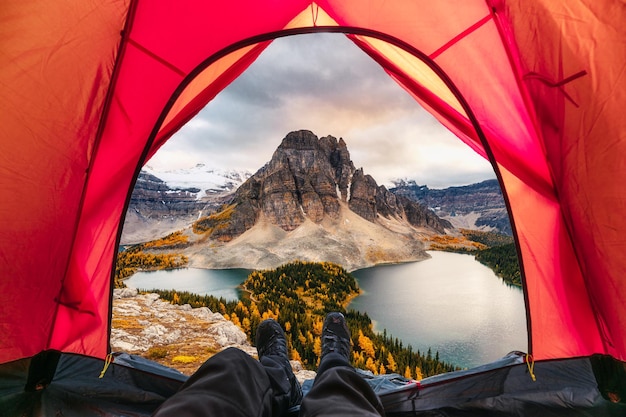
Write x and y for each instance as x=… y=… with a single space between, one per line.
x=299 y=295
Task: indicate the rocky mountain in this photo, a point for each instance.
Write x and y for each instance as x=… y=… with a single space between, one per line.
x=310 y=179
x=477 y=206
x=310 y=203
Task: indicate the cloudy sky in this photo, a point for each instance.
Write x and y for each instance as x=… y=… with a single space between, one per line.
x=325 y=84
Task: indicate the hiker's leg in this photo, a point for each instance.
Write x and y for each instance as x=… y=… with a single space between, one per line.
x=340 y=391
x=283 y=383
x=271 y=344
x=231 y=383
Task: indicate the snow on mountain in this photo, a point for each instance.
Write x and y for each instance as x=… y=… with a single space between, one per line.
x=206 y=180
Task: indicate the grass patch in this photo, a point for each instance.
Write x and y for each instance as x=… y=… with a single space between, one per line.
x=157 y=353
x=126 y=323
x=184 y=359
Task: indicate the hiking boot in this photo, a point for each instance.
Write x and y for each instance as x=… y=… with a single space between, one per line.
x=271 y=345
x=336 y=337
x=271 y=340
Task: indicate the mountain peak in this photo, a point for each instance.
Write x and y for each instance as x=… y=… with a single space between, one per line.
x=309 y=178
x=300 y=140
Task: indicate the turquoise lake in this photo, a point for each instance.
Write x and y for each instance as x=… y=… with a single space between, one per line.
x=450 y=303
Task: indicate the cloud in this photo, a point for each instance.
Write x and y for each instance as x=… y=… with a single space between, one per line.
x=323 y=83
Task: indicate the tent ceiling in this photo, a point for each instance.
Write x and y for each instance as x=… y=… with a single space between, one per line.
x=90 y=89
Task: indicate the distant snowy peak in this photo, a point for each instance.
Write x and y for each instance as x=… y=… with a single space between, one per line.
x=407 y=182
x=200 y=177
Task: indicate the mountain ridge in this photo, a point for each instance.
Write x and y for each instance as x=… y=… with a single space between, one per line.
x=308 y=202
x=165 y=201
x=309 y=177
x=478 y=206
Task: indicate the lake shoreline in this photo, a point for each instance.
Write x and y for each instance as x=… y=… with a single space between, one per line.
x=425 y=307
x=466 y=313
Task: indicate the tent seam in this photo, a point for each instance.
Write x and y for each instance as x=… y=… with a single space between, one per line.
x=126 y=35
x=460 y=36
x=103 y=116
x=527 y=101
x=156 y=57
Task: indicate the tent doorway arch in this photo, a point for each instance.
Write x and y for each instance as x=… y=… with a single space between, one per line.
x=268 y=37
x=339 y=30
x=314 y=68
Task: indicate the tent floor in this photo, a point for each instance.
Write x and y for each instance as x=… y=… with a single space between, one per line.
x=70 y=386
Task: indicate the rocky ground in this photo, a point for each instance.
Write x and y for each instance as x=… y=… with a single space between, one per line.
x=180 y=337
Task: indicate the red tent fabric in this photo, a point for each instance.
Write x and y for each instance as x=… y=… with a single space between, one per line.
x=91 y=89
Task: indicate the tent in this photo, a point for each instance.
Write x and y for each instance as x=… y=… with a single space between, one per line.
x=91 y=90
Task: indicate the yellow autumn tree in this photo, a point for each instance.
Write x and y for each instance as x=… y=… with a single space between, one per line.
x=370 y=365
x=295 y=356
x=418 y=373
x=366 y=345
x=255 y=316
x=269 y=314
x=358 y=360
x=235 y=320
x=391 y=363
x=242 y=308
x=317 y=327
x=407 y=372
x=317 y=346
x=245 y=324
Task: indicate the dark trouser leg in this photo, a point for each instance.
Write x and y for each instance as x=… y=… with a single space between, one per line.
x=278 y=372
x=230 y=383
x=340 y=391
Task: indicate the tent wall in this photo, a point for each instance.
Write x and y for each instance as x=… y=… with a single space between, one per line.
x=56 y=62
x=87 y=96
x=573 y=57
